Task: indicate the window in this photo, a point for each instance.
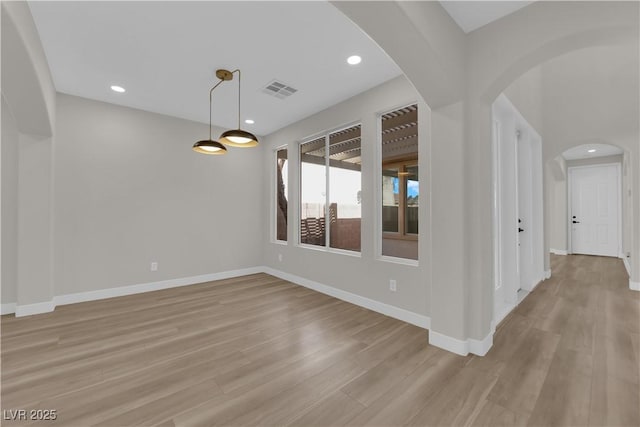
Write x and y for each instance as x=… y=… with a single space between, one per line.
x=400 y=194
x=400 y=183
x=330 y=188
x=313 y=193
x=282 y=194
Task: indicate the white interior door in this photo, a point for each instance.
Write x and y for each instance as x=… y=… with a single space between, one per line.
x=595 y=214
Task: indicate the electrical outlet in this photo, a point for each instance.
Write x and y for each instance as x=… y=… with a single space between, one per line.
x=280 y=257
x=393 y=285
x=154 y=266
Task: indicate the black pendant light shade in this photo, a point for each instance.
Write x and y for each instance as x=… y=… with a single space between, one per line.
x=232 y=138
x=238 y=138
x=208 y=146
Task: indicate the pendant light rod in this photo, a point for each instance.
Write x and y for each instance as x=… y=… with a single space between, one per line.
x=239 y=91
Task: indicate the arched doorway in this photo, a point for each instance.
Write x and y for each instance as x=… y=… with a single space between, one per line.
x=485 y=63
x=590 y=211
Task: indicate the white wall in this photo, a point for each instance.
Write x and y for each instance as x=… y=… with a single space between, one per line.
x=28 y=97
x=449 y=293
x=130 y=191
x=35 y=222
x=556 y=205
x=9 y=155
x=591 y=95
x=595 y=161
x=26 y=81
x=363 y=275
x=525 y=94
x=422 y=39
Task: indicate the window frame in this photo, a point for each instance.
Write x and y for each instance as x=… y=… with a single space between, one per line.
x=378 y=168
x=274 y=195
x=327 y=240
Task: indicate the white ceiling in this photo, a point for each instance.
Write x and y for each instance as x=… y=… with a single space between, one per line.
x=471 y=15
x=165 y=55
x=582 y=151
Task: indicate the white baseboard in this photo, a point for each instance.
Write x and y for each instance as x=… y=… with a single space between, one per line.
x=31 y=309
x=8 y=308
x=634 y=286
x=547 y=274
x=461 y=347
x=377 y=306
x=558 y=251
x=448 y=343
x=37 y=308
x=481 y=347
x=152 y=286
x=625 y=261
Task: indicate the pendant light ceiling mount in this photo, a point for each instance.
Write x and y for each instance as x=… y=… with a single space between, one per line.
x=234 y=138
x=225 y=75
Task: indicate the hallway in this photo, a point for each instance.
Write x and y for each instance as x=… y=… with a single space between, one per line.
x=569 y=354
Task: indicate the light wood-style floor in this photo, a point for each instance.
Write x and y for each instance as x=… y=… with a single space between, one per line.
x=259 y=350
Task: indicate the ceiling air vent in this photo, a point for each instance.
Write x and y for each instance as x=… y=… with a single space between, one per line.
x=279 y=89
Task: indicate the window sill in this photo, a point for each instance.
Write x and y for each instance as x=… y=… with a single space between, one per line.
x=330 y=250
x=396 y=260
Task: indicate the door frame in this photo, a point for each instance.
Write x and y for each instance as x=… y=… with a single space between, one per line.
x=570 y=178
x=506 y=120
x=517 y=183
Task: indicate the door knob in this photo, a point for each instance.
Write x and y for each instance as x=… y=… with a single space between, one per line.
x=575 y=222
x=520 y=230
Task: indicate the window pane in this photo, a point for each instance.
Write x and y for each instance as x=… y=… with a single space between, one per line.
x=400 y=184
x=390 y=200
x=312 y=192
x=344 y=189
x=413 y=193
x=282 y=194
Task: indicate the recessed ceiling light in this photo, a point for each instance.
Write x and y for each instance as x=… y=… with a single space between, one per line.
x=118 y=89
x=593 y=150
x=249 y=121
x=354 y=60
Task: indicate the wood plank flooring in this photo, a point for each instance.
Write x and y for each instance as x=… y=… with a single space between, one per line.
x=257 y=350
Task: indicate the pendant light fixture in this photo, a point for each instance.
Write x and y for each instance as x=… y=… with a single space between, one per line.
x=238 y=137
x=209 y=146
